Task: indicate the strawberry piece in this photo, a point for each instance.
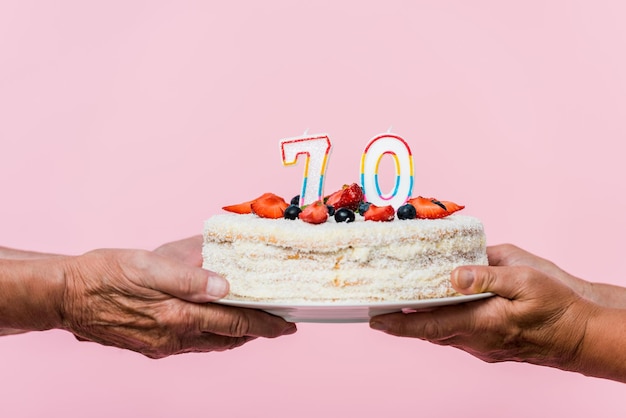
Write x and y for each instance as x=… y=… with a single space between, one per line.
x=269 y=206
x=431 y=208
x=333 y=198
x=350 y=196
x=315 y=213
x=240 y=208
x=379 y=213
x=452 y=207
x=245 y=207
x=427 y=208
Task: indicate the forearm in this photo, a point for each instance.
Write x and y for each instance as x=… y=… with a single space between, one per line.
x=13 y=254
x=607 y=295
x=603 y=294
x=31 y=292
x=602 y=352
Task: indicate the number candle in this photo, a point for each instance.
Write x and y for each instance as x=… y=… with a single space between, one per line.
x=387 y=144
x=316 y=148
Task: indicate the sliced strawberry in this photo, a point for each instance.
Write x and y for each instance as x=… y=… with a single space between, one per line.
x=334 y=198
x=348 y=197
x=431 y=208
x=315 y=213
x=269 y=206
x=240 y=208
x=428 y=208
x=379 y=213
x=245 y=207
x=452 y=207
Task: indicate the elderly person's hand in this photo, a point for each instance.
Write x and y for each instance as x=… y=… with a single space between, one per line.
x=187 y=250
x=604 y=294
x=539 y=315
x=143 y=301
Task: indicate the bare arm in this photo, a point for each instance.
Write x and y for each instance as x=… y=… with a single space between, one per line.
x=603 y=350
x=14 y=254
x=30 y=291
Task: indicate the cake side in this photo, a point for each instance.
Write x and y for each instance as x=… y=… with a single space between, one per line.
x=278 y=260
x=332 y=235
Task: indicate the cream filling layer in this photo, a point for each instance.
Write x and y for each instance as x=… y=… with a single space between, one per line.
x=292 y=261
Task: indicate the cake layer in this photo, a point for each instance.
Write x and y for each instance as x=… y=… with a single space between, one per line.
x=292 y=261
x=331 y=236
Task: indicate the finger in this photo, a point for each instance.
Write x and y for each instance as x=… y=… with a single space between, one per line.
x=439 y=326
x=496 y=254
x=197 y=344
x=11 y=331
x=208 y=342
x=188 y=250
x=508 y=282
x=239 y=322
x=183 y=281
x=510 y=255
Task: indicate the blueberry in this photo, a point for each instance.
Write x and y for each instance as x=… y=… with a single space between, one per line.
x=344 y=215
x=363 y=207
x=292 y=212
x=331 y=210
x=295 y=200
x=406 y=211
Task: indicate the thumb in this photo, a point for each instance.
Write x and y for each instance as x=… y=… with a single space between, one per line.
x=184 y=281
x=503 y=281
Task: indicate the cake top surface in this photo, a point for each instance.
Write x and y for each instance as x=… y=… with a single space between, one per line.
x=332 y=235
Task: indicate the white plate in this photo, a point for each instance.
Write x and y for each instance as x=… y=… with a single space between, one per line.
x=345 y=313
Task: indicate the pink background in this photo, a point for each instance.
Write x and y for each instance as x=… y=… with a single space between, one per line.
x=126 y=124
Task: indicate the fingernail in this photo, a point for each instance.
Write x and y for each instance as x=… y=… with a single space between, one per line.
x=291 y=329
x=217 y=286
x=378 y=325
x=464 y=278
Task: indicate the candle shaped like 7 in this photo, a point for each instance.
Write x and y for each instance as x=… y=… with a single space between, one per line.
x=316 y=149
x=378 y=147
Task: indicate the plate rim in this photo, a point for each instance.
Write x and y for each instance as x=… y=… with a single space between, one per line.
x=347 y=312
x=381 y=304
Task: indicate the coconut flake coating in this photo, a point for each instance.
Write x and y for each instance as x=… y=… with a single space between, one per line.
x=290 y=261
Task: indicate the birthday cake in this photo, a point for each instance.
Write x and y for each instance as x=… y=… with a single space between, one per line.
x=341 y=249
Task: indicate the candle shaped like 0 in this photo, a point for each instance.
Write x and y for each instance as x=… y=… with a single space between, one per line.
x=316 y=148
x=378 y=147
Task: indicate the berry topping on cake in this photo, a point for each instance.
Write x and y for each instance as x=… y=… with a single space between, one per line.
x=315 y=213
x=379 y=213
x=350 y=196
x=344 y=215
x=363 y=207
x=430 y=208
x=451 y=207
x=240 y=208
x=342 y=205
x=407 y=211
x=269 y=206
x=292 y=212
x=245 y=207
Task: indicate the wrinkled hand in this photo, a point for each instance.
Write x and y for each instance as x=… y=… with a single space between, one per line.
x=187 y=250
x=156 y=305
x=535 y=316
x=510 y=255
x=603 y=294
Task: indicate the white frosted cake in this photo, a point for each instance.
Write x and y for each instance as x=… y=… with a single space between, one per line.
x=291 y=261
